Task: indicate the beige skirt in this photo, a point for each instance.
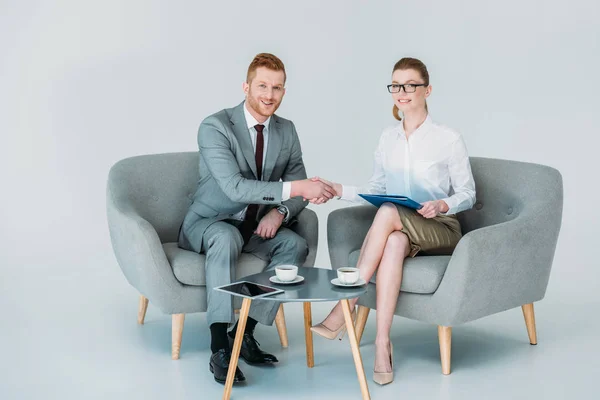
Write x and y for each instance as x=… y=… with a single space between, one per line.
x=430 y=236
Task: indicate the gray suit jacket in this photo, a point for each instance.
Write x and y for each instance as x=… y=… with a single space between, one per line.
x=228 y=181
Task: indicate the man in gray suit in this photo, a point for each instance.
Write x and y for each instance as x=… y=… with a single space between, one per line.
x=252 y=183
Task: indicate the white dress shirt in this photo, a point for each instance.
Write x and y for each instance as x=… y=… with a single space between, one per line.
x=431 y=164
x=251 y=122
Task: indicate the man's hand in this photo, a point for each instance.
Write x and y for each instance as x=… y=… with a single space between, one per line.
x=312 y=189
x=433 y=208
x=269 y=224
x=337 y=187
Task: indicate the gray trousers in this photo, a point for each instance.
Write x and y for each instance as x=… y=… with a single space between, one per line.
x=222 y=244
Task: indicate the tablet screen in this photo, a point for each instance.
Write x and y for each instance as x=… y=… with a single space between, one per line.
x=250 y=289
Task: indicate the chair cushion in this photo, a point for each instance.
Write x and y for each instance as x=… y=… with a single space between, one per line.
x=422 y=274
x=188 y=266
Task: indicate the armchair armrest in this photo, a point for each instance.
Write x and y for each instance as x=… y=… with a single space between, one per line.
x=346 y=231
x=497 y=268
x=307 y=226
x=140 y=255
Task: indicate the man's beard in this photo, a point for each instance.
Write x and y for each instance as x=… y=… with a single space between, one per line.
x=257 y=104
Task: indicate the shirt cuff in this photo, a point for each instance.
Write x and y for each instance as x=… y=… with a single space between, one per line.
x=286 y=192
x=451 y=206
x=348 y=192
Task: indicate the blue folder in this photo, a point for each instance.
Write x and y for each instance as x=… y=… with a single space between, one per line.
x=378 y=199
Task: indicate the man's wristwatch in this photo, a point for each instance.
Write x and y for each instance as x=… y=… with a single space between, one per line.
x=283 y=211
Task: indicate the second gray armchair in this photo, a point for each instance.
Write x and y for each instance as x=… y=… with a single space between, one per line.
x=503 y=260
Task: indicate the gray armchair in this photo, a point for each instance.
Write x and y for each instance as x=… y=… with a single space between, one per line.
x=147 y=198
x=503 y=260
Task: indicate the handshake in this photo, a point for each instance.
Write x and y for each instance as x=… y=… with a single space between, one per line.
x=316 y=190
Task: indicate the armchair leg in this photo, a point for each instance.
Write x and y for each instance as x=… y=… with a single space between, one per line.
x=142 y=307
x=281 y=328
x=530 y=322
x=177 y=332
x=361 y=320
x=445 y=338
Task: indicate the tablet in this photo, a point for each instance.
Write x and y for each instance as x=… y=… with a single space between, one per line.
x=249 y=290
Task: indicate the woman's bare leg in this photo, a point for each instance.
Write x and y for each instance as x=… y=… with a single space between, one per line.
x=387 y=220
x=389 y=278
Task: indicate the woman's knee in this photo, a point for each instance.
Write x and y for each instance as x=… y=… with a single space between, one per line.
x=397 y=241
x=387 y=214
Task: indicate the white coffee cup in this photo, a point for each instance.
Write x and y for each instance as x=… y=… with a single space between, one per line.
x=286 y=273
x=348 y=275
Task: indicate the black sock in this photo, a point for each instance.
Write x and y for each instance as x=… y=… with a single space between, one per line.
x=218 y=336
x=250 y=325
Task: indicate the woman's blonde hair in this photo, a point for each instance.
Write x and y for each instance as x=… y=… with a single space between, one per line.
x=417 y=65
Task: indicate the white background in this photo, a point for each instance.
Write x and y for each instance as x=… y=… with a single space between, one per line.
x=84 y=84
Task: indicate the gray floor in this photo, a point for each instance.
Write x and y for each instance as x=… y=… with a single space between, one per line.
x=74 y=336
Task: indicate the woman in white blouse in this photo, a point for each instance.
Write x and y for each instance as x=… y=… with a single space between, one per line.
x=426 y=162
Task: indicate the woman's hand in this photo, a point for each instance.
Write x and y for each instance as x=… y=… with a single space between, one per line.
x=433 y=208
x=336 y=186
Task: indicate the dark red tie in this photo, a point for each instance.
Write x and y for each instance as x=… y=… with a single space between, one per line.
x=252 y=210
x=260 y=144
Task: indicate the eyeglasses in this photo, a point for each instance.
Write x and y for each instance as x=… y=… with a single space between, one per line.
x=408 y=88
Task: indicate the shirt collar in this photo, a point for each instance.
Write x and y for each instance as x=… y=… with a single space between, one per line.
x=251 y=121
x=423 y=127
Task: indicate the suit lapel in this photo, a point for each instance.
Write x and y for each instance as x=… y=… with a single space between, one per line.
x=273 y=147
x=240 y=129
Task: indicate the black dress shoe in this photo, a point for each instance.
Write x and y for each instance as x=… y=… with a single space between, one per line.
x=219 y=364
x=252 y=354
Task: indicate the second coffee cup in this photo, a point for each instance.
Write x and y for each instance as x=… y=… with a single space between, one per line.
x=348 y=275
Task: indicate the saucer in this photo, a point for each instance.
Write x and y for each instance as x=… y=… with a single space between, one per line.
x=276 y=280
x=336 y=282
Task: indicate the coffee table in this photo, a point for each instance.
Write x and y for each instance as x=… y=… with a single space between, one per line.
x=316 y=287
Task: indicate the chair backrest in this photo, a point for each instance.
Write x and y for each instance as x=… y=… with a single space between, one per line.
x=158 y=187
x=506 y=189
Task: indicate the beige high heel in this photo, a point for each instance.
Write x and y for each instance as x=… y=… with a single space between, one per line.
x=327 y=333
x=383 y=378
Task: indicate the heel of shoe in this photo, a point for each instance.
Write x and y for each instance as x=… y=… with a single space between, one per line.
x=345 y=329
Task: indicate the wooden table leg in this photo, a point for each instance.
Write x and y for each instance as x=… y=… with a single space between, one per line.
x=237 y=345
x=360 y=371
x=310 y=357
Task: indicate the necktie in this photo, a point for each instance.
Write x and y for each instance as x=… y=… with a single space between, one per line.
x=252 y=210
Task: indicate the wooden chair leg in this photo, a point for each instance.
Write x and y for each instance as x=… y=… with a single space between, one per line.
x=361 y=320
x=142 y=307
x=530 y=322
x=445 y=338
x=281 y=328
x=177 y=332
